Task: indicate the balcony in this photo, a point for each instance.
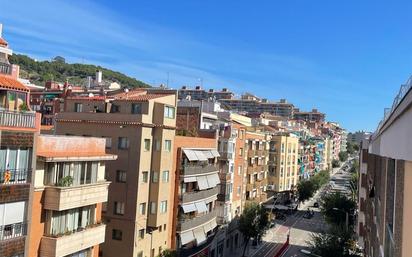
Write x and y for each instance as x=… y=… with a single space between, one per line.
x=253 y=153
x=63 y=198
x=15 y=176
x=190 y=223
x=198 y=169
x=17 y=119
x=71 y=243
x=13 y=231
x=199 y=195
x=5 y=68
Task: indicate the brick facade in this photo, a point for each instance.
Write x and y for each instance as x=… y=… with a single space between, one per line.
x=12 y=247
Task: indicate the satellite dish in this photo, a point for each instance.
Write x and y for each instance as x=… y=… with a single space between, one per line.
x=126 y=90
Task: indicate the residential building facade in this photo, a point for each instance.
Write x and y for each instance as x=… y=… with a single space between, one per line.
x=139 y=127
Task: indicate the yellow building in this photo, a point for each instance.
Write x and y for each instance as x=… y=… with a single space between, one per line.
x=283 y=162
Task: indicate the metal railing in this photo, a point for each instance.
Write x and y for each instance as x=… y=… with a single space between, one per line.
x=13 y=231
x=198 y=169
x=15 y=176
x=17 y=119
x=398 y=98
x=199 y=195
x=188 y=222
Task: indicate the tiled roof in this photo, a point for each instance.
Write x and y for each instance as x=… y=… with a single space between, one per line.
x=137 y=95
x=93 y=98
x=3 y=42
x=7 y=82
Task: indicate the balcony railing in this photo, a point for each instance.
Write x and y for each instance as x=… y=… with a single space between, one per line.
x=13 y=231
x=189 y=223
x=15 y=176
x=17 y=119
x=199 y=195
x=5 y=68
x=198 y=169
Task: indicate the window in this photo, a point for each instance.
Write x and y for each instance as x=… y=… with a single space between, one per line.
x=108 y=142
x=238 y=190
x=163 y=206
x=117 y=234
x=152 y=207
x=168 y=145
x=141 y=233
x=155 y=177
x=115 y=108
x=81 y=173
x=142 y=208
x=136 y=108
x=157 y=145
x=169 y=112
x=145 y=176
x=165 y=176
x=140 y=254
x=147 y=144
x=78 y=107
x=239 y=172
x=123 y=143
x=119 y=208
x=121 y=176
x=241 y=151
x=59 y=222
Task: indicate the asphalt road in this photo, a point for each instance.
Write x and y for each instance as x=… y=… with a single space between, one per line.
x=303 y=228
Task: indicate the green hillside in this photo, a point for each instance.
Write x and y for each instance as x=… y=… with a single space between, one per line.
x=58 y=70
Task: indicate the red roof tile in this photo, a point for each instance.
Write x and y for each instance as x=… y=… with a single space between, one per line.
x=8 y=82
x=3 y=42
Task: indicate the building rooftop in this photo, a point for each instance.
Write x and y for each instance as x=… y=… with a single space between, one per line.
x=7 y=82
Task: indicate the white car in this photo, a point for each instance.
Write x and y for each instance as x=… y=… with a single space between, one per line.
x=305 y=252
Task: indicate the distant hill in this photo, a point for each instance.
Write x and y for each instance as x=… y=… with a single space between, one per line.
x=58 y=70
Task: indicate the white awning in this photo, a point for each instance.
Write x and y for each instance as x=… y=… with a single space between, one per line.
x=199 y=235
x=211 y=199
x=207 y=227
x=215 y=153
x=186 y=237
x=202 y=182
x=201 y=206
x=189 y=207
x=200 y=156
x=208 y=154
x=191 y=155
x=189 y=179
x=213 y=224
x=213 y=180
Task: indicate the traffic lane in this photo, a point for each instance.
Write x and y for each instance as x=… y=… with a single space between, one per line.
x=294 y=251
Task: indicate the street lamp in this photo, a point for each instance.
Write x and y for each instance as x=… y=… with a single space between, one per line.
x=346 y=217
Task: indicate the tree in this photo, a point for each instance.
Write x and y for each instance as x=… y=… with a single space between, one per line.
x=306 y=189
x=336 y=242
x=343 y=156
x=349 y=148
x=253 y=223
x=356 y=147
x=321 y=178
x=335 y=163
x=335 y=206
x=167 y=253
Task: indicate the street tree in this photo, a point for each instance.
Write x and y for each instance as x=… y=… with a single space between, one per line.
x=335 y=242
x=167 y=253
x=335 y=207
x=343 y=156
x=335 y=163
x=306 y=189
x=253 y=223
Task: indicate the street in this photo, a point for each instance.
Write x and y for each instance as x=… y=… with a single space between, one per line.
x=299 y=228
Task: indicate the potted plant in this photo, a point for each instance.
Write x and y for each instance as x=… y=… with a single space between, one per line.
x=65 y=182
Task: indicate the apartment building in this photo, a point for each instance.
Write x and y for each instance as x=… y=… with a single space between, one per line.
x=19 y=127
x=69 y=187
x=196 y=189
x=256 y=152
x=313 y=116
x=249 y=103
x=139 y=127
x=385 y=183
x=199 y=94
x=283 y=162
x=327 y=154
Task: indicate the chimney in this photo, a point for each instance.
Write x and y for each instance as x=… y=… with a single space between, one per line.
x=1 y=30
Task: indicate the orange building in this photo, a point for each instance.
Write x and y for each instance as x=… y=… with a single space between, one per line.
x=196 y=188
x=69 y=189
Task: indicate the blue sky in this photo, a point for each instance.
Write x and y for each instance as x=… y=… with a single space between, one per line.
x=346 y=58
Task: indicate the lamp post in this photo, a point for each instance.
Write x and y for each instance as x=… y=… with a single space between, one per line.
x=346 y=217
